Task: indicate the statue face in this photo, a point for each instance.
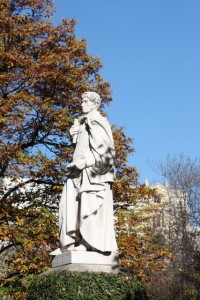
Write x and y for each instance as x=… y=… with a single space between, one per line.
x=88 y=105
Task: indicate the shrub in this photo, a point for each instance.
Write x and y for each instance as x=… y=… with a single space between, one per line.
x=86 y=286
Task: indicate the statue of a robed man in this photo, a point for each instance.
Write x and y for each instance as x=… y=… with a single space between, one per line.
x=86 y=205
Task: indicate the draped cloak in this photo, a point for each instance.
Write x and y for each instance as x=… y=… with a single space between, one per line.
x=86 y=204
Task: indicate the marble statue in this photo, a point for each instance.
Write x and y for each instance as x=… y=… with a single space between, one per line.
x=86 y=205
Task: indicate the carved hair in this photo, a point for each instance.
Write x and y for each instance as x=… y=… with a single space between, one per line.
x=94 y=97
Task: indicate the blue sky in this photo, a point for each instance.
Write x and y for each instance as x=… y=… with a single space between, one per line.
x=150 y=50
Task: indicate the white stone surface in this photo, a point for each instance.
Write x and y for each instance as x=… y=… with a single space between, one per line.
x=87 y=268
x=85 y=257
x=86 y=204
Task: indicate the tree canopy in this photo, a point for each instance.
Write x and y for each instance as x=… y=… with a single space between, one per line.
x=44 y=69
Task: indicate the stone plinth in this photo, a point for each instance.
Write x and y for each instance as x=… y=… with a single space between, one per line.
x=85 y=261
x=86 y=258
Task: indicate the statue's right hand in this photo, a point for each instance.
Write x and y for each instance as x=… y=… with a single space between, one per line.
x=69 y=167
x=72 y=170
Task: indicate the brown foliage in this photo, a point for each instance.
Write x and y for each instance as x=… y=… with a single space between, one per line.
x=135 y=210
x=44 y=70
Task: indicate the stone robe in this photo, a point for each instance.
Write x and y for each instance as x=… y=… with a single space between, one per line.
x=86 y=205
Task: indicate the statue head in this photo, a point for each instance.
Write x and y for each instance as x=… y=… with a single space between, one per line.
x=90 y=101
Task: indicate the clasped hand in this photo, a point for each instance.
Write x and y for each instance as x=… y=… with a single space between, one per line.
x=75 y=166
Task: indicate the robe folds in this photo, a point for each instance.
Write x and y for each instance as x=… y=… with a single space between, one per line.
x=86 y=204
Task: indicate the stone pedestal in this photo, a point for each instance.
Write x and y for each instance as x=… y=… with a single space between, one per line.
x=86 y=258
x=86 y=261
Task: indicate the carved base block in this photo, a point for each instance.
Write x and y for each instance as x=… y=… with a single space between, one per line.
x=86 y=258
